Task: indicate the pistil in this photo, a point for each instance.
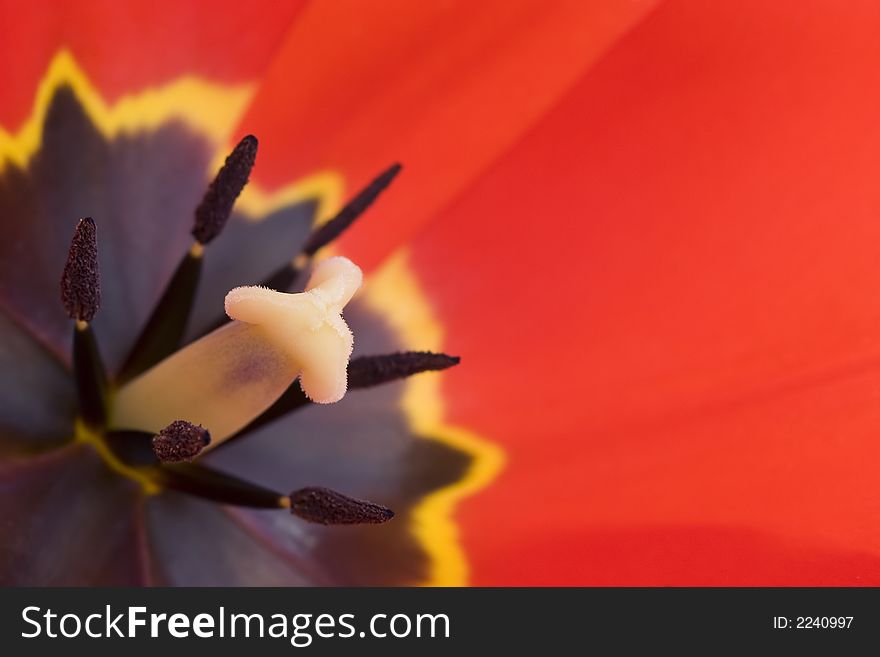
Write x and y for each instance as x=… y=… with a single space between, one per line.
x=227 y=378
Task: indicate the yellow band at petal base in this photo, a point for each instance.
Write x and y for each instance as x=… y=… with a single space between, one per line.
x=394 y=292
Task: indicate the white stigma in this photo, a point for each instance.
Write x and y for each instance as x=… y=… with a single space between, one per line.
x=308 y=327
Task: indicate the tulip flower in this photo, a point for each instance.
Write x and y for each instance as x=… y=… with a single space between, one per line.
x=649 y=230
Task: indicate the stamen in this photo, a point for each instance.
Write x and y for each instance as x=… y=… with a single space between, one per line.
x=218 y=486
x=90 y=376
x=284 y=277
x=180 y=441
x=81 y=296
x=163 y=332
x=363 y=372
x=232 y=375
x=215 y=208
x=81 y=281
x=314 y=504
x=354 y=209
x=164 y=329
x=327 y=507
x=368 y=371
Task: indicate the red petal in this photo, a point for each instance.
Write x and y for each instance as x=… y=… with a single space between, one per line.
x=126 y=46
x=443 y=87
x=665 y=299
x=688 y=556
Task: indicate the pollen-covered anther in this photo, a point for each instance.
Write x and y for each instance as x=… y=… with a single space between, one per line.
x=369 y=371
x=328 y=507
x=180 y=441
x=215 y=208
x=80 y=281
x=308 y=326
x=350 y=212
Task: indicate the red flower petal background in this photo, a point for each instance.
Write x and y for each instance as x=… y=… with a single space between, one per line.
x=445 y=87
x=685 y=302
x=650 y=231
x=127 y=46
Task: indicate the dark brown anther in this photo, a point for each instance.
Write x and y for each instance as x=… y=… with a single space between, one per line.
x=327 y=507
x=283 y=277
x=164 y=330
x=180 y=441
x=216 y=206
x=81 y=296
x=353 y=209
x=367 y=371
x=80 y=281
x=363 y=372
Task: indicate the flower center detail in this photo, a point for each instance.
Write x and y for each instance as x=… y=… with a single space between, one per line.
x=172 y=402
